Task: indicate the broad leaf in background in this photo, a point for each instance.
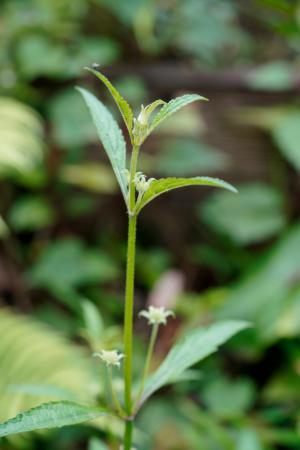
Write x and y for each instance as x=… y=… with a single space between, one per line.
x=186 y=157
x=257 y=213
x=66 y=264
x=171 y=107
x=49 y=368
x=94 y=177
x=263 y=294
x=50 y=415
x=111 y=137
x=189 y=350
x=274 y=76
x=96 y=444
x=70 y=121
x=287 y=136
x=158 y=187
x=31 y=212
x=122 y=104
x=21 y=138
x=228 y=399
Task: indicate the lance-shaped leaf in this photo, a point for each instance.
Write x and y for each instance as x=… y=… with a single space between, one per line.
x=172 y=106
x=110 y=135
x=50 y=415
x=158 y=187
x=122 y=104
x=189 y=350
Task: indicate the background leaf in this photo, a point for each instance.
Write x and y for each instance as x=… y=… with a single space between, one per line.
x=257 y=213
x=49 y=415
x=110 y=135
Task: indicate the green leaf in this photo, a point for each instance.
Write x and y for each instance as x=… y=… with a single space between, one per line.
x=258 y=213
x=96 y=444
x=158 y=187
x=171 y=107
x=272 y=278
x=49 y=415
x=122 y=104
x=286 y=135
x=189 y=350
x=274 y=76
x=110 y=135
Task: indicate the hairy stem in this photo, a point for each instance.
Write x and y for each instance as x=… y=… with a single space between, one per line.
x=148 y=360
x=129 y=299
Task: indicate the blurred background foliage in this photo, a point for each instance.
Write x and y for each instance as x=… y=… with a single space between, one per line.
x=207 y=254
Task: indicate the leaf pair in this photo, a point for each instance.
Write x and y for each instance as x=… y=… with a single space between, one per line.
x=194 y=347
x=113 y=142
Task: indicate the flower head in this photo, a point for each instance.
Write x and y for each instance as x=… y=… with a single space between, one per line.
x=110 y=357
x=141 y=182
x=157 y=315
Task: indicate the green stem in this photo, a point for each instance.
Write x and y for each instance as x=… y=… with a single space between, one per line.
x=128 y=435
x=148 y=360
x=129 y=299
x=114 y=396
x=128 y=319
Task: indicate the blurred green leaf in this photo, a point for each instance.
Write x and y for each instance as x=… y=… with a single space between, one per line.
x=70 y=121
x=68 y=264
x=286 y=135
x=35 y=358
x=96 y=444
x=21 y=138
x=111 y=137
x=50 y=415
x=192 y=348
x=93 y=177
x=261 y=295
x=92 y=320
x=255 y=214
x=184 y=157
x=31 y=212
x=248 y=440
x=39 y=55
x=4 y=230
x=273 y=76
x=228 y=399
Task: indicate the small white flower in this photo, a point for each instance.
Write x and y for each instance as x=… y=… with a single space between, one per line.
x=110 y=357
x=156 y=315
x=143 y=116
x=141 y=182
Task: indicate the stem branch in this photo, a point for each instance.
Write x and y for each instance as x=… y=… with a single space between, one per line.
x=148 y=360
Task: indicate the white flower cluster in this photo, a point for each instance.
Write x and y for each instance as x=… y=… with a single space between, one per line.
x=141 y=182
x=110 y=357
x=157 y=315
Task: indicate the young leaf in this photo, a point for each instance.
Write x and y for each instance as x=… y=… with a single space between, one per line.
x=49 y=415
x=172 y=106
x=110 y=135
x=122 y=104
x=158 y=187
x=194 y=347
